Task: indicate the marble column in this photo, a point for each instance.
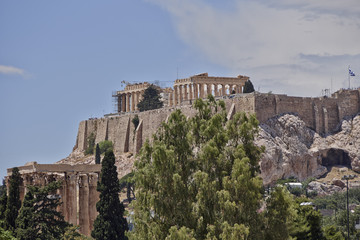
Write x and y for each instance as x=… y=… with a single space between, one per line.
x=127 y=102
x=71 y=198
x=186 y=92
x=132 y=101
x=191 y=93
x=170 y=99
x=175 y=95
x=201 y=86
x=94 y=197
x=123 y=102
x=84 y=220
x=180 y=94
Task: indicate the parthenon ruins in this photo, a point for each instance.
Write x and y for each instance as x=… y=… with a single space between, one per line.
x=187 y=89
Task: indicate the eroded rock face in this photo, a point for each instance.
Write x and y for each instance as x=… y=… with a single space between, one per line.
x=294 y=150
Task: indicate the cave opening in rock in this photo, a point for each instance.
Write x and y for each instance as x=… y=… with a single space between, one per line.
x=335 y=157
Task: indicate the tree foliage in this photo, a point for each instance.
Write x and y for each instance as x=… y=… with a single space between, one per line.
x=97 y=154
x=13 y=200
x=248 y=87
x=151 y=99
x=105 y=146
x=90 y=144
x=199 y=178
x=110 y=223
x=38 y=218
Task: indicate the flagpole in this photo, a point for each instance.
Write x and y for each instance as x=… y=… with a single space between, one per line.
x=349 y=76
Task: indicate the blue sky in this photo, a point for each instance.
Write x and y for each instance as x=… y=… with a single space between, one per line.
x=61 y=60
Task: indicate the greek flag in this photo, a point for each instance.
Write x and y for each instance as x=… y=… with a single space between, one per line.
x=351 y=73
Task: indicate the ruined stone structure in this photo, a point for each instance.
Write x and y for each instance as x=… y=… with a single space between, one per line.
x=185 y=90
x=78 y=192
x=128 y=99
x=199 y=86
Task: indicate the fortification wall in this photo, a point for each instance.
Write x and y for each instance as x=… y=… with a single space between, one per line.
x=321 y=114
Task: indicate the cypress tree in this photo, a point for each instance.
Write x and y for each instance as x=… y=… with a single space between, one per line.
x=151 y=99
x=249 y=87
x=110 y=223
x=25 y=223
x=3 y=202
x=38 y=218
x=13 y=201
x=97 y=154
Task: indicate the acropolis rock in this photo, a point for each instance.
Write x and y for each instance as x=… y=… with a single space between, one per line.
x=303 y=136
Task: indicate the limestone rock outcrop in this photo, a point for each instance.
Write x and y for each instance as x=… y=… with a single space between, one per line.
x=294 y=150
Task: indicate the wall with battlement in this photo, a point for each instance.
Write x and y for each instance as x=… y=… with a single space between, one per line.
x=322 y=114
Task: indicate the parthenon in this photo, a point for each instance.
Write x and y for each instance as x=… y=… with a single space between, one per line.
x=201 y=85
x=185 y=90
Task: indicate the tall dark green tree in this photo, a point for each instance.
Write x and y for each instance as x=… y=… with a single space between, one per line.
x=25 y=223
x=3 y=201
x=110 y=224
x=38 y=218
x=13 y=201
x=249 y=87
x=151 y=99
x=97 y=154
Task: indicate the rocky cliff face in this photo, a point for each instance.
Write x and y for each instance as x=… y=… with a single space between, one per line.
x=294 y=150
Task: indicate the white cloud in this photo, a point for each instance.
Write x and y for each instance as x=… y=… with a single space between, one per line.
x=272 y=40
x=9 y=70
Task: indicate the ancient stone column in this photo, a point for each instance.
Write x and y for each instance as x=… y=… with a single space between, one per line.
x=93 y=198
x=123 y=102
x=84 y=220
x=71 y=198
x=175 y=95
x=201 y=88
x=186 y=92
x=216 y=90
x=180 y=94
x=127 y=102
x=240 y=89
x=170 y=99
x=133 y=101
x=191 y=93
x=223 y=89
x=136 y=100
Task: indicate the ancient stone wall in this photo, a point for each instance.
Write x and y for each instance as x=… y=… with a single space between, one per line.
x=322 y=114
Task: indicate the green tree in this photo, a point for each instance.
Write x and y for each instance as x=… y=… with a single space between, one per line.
x=3 y=203
x=248 y=87
x=151 y=99
x=105 y=146
x=331 y=233
x=90 y=144
x=200 y=177
x=128 y=182
x=38 y=218
x=279 y=214
x=25 y=223
x=97 y=154
x=307 y=223
x=110 y=223
x=13 y=201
